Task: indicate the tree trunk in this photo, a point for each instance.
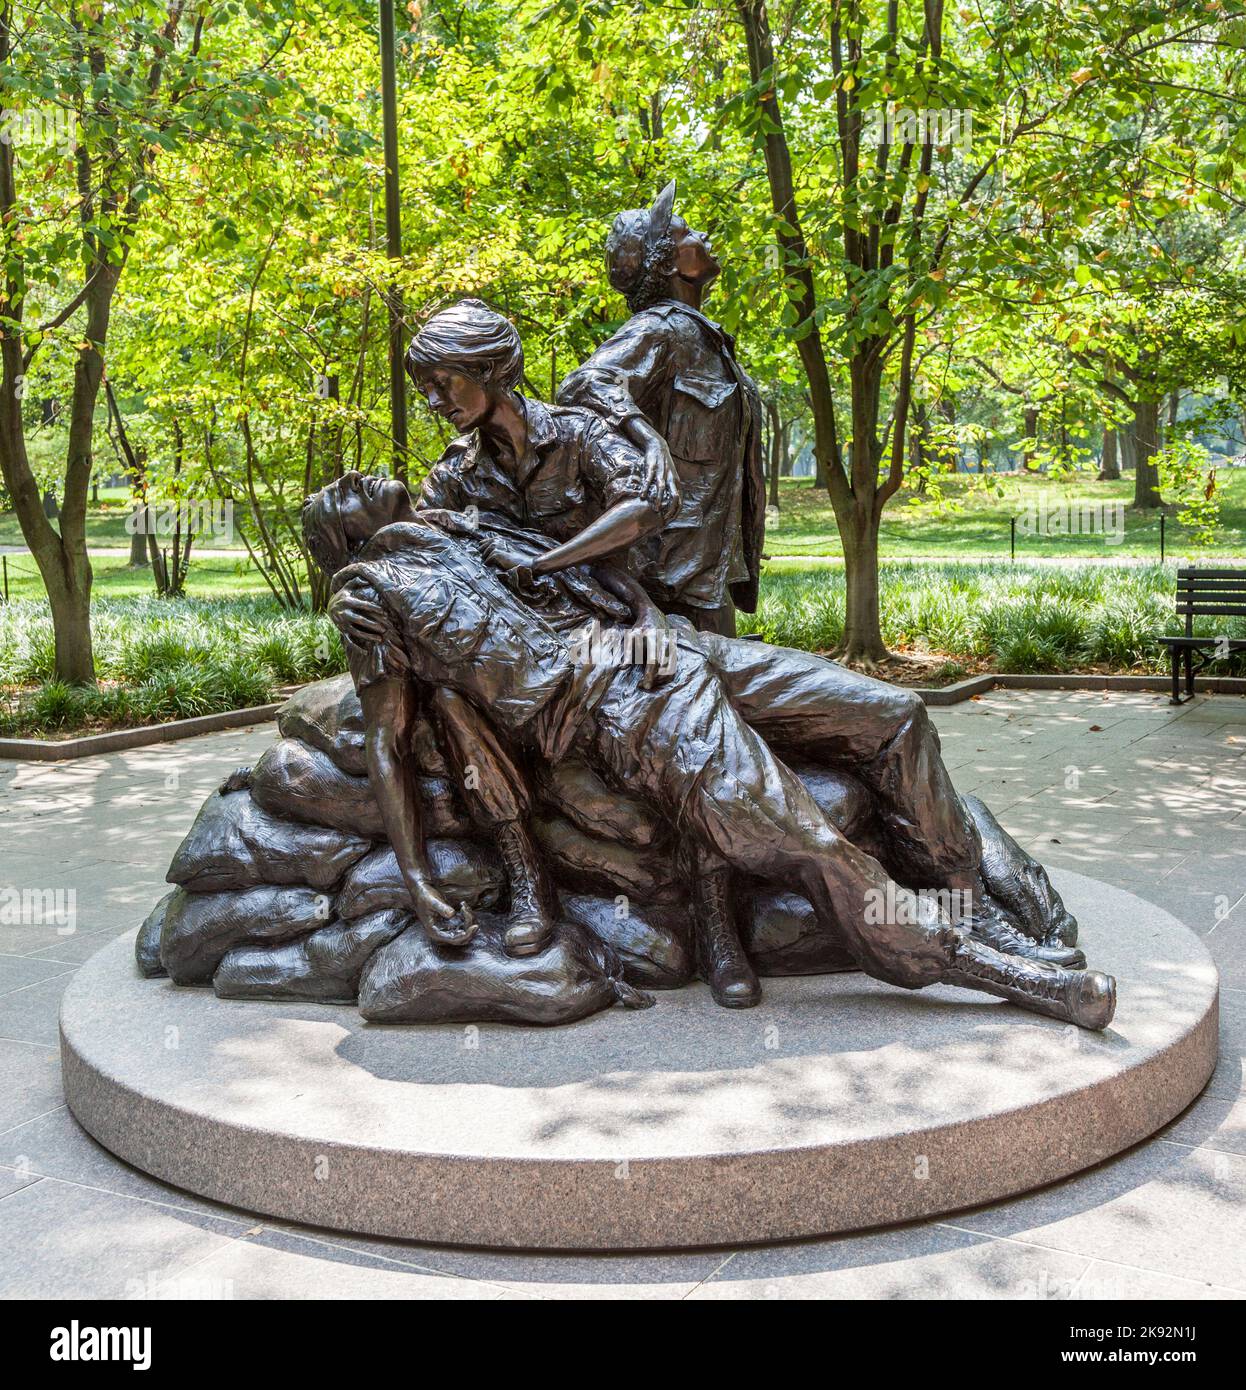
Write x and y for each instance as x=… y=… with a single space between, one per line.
x=917 y=447
x=138 y=537
x=855 y=491
x=1109 y=464
x=60 y=555
x=1145 y=444
x=1031 y=432
x=69 y=596
x=863 y=637
x=776 y=451
x=863 y=640
x=819 y=471
x=1125 y=448
x=136 y=467
x=67 y=572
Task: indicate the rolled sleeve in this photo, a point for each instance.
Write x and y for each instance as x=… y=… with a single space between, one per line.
x=619 y=378
x=613 y=467
x=373 y=662
x=606 y=395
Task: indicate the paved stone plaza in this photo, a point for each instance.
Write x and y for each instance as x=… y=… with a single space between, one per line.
x=1118 y=787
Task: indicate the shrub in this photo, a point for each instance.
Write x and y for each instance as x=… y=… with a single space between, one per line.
x=1023 y=617
x=161 y=660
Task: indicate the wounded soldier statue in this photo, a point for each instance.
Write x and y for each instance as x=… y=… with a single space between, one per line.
x=553 y=780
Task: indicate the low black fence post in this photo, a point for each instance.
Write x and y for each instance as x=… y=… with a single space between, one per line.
x=5 y=558
x=1012 y=539
x=1162 y=519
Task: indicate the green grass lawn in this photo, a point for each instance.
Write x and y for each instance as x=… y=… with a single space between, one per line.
x=213 y=577
x=106 y=528
x=973 y=521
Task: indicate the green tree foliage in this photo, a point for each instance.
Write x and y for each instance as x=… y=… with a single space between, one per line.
x=948 y=234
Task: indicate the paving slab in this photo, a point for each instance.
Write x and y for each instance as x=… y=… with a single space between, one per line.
x=1164 y=1207
x=274 y=1264
x=1117 y=1283
x=13 y=1180
x=914 y=1262
x=30 y=1013
x=1214 y=1121
x=30 y=1080
x=62 y=1241
x=16 y=972
x=647 y=1275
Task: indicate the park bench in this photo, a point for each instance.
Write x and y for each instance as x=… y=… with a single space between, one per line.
x=1204 y=594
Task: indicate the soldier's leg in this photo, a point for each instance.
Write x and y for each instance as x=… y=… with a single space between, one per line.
x=880 y=732
x=742 y=803
x=883 y=733
x=722 y=960
x=496 y=794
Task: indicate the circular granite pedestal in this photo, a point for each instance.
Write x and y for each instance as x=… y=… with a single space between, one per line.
x=840 y=1103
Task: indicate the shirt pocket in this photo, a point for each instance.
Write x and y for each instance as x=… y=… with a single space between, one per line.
x=546 y=499
x=696 y=428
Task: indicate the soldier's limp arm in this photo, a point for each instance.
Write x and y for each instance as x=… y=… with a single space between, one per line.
x=388 y=712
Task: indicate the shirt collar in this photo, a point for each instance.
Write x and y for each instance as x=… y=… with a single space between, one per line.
x=542 y=433
x=470 y=444
x=717 y=331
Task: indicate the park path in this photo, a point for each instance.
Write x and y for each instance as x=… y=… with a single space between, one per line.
x=1119 y=787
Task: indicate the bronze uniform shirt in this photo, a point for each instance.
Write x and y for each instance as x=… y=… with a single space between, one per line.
x=677 y=369
x=576 y=468
x=454 y=623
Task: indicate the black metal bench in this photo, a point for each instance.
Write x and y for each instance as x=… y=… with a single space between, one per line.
x=1204 y=594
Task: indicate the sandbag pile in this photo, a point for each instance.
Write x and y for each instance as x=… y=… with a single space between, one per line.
x=286 y=888
x=286 y=884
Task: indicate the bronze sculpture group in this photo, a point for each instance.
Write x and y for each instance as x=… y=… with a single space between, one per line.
x=751 y=806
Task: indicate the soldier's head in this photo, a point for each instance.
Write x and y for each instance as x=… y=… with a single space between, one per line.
x=649 y=249
x=464 y=361
x=339 y=520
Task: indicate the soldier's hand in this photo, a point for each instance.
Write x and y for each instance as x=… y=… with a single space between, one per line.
x=357 y=614
x=521 y=578
x=444 y=923
x=580 y=587
x=661 y=651
x=497 y=554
